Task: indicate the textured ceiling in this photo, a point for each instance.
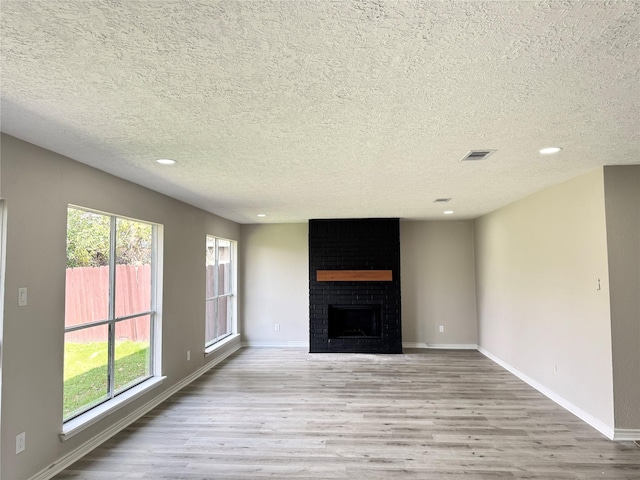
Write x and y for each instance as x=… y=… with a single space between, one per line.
x=325 y=109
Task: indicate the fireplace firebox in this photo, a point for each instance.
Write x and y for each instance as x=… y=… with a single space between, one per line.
x=354 y=321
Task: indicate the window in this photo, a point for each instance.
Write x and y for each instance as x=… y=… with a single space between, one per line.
x=110 y=311
x=220 y=290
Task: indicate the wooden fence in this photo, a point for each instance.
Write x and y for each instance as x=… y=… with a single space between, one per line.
x=87 y=300
x=217 y=325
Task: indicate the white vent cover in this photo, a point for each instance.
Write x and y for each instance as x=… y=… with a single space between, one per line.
x=475 y=155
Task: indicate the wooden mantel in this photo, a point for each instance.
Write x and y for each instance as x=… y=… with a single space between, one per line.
x=354 y=275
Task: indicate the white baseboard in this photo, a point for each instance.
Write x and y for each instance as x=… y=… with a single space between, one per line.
x=441 y=346
x=626 y=435
x=293 y=344
x=113 y=429
x=602 y=427
x=305 y=344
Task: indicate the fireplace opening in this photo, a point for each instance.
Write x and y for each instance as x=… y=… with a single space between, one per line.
x=355 y=321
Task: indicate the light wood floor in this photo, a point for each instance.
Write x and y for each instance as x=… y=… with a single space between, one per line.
x=287 y=414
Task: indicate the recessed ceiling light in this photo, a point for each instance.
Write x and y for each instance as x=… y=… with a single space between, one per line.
x=550 y=150
x=448 y=212
x=261 y=215
x=165 y=161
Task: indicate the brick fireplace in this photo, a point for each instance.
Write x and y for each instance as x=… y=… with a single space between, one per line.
x=354 y=286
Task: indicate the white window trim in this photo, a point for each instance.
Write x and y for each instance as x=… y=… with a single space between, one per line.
x=220 y=344
x=76 y=425
x=220 y=341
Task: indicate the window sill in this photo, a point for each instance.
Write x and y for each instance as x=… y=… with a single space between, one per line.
x=84 y=421
x=221 y=344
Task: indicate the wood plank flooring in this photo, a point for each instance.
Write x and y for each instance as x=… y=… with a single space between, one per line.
x=428 y=414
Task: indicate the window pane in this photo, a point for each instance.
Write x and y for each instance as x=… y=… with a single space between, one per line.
x=87 y=277
x=224 y=267
x=211 y=264
x=134 y=242
x=210 y=321
x=85 y=369
x=224 y=316
x=132 y=351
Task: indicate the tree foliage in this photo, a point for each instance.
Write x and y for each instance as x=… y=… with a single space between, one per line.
x=134 y=242
x=89 y=238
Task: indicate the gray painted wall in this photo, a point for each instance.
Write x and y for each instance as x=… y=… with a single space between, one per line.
x=537 y=267
x=622 y=201
x=438 y=283
x=37 y=185
x=274 y=284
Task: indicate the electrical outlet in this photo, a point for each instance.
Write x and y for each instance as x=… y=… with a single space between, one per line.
x=21 y=442
x=277 y=327
x=188 y=355
x=441 y=328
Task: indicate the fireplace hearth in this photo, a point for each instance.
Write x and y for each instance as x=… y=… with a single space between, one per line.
x=354 y=286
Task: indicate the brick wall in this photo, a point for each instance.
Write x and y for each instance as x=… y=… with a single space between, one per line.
x=355 y=244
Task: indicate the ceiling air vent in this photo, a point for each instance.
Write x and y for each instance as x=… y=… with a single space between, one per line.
x=475 y=155
x=441 y=200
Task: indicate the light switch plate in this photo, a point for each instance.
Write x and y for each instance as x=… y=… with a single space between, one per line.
x=20 y=442
x=22 y=296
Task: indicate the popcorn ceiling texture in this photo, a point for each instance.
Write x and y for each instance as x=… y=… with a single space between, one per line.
x=327 y=109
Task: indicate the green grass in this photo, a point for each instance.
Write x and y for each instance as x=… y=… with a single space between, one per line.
x=85 y=371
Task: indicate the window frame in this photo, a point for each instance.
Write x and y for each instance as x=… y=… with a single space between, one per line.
x=120 y=396
x=210 y=345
